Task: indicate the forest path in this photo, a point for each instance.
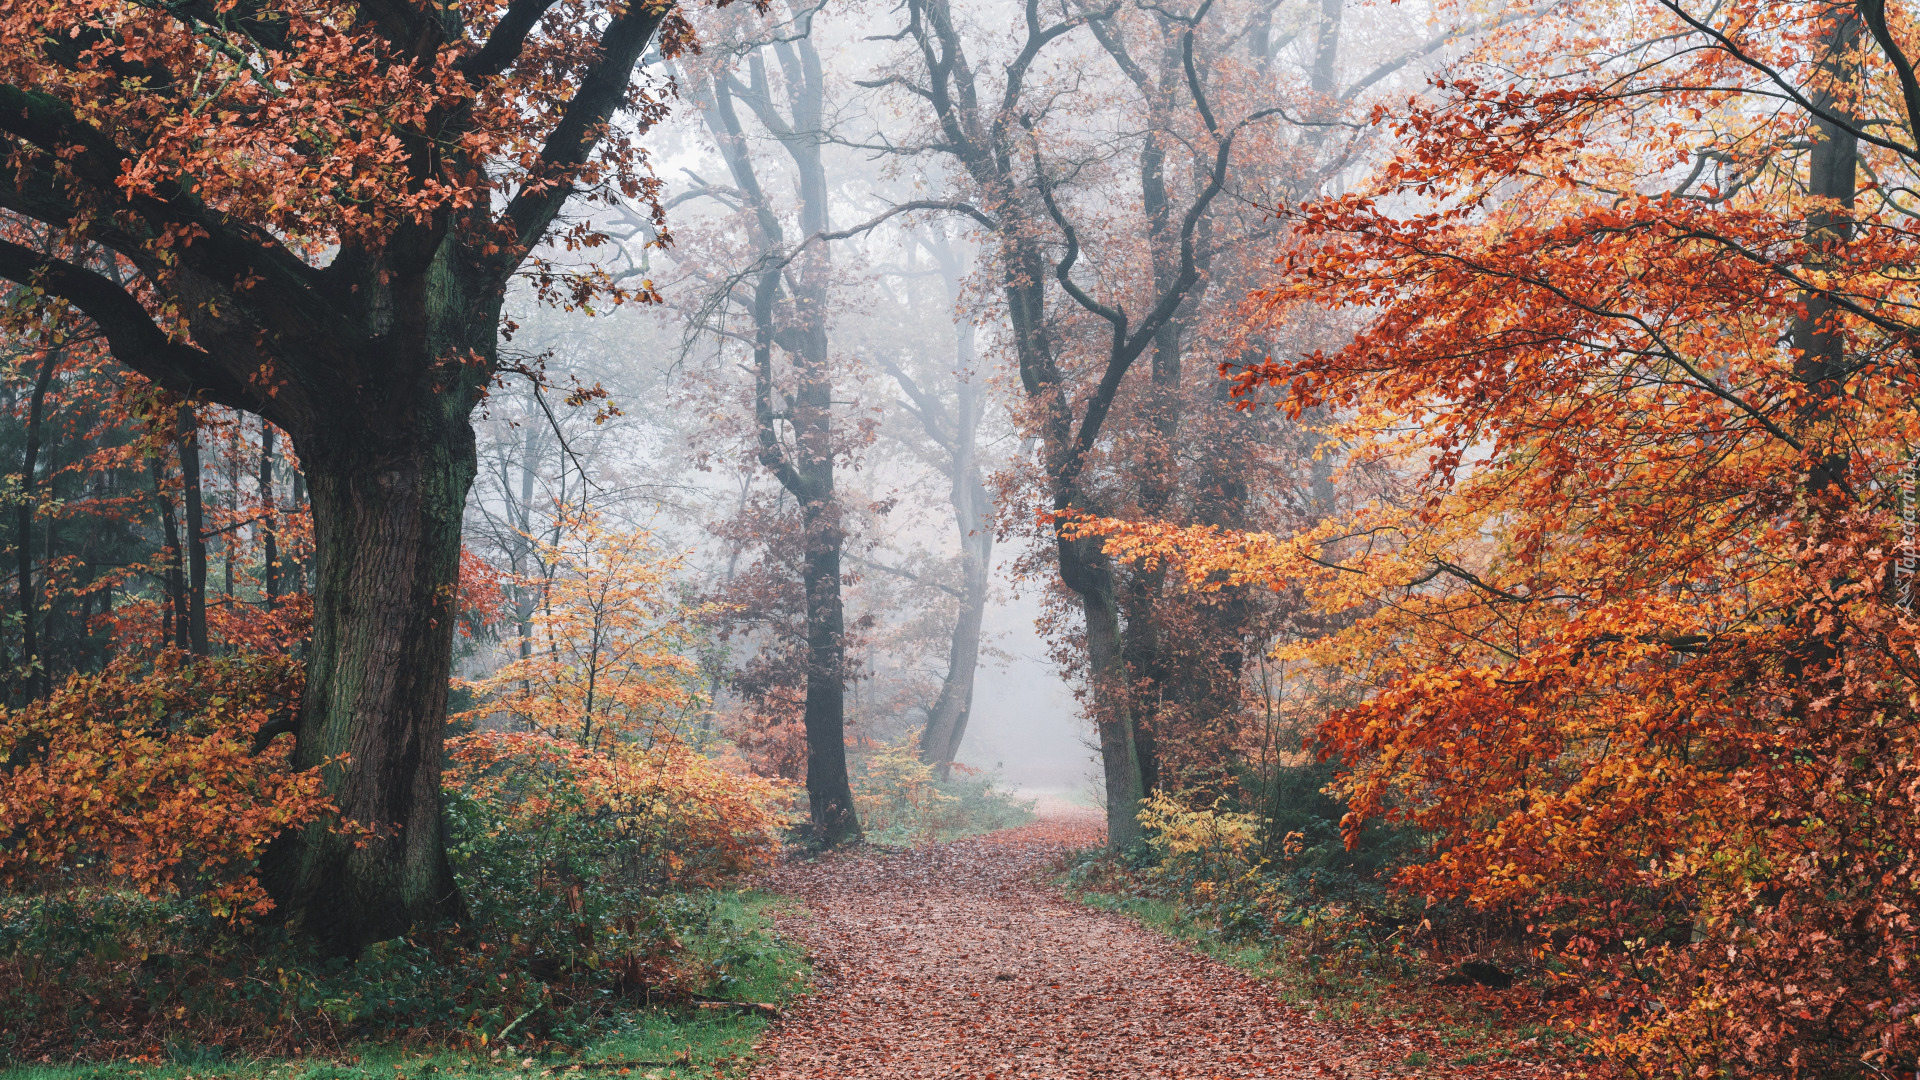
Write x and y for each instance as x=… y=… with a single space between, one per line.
x=959 y=962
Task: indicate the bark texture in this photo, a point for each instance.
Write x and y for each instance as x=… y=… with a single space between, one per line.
x=387 y=531
x=371 y=364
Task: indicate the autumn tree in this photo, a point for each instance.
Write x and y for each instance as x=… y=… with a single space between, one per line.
x=786 y=291
x=1104 y=264
x=96 y=540
x=1633 y=638
x=949 y=409
x=607 y=659
x=310 y=210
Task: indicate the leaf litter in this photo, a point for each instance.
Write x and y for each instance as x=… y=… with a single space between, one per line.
x=958 y=960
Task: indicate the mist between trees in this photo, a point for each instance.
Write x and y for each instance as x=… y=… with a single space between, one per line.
x=905 y=308
x=1444 y=449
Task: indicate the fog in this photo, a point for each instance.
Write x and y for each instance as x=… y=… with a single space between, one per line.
x=876 y=319
x=1026 y=725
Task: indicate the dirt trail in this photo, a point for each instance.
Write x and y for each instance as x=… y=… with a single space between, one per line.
x=958 y=962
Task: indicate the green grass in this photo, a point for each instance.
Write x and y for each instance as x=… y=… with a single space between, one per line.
x=685 y=1041
x=1172 y=920
x=1324 y=992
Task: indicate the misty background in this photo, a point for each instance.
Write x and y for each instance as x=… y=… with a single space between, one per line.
x=804 y=139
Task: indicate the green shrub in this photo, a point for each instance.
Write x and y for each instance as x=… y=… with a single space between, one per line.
x=902 y=801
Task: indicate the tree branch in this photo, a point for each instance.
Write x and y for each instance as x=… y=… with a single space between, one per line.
x=601 y=90
x=131 y=333
x=508 y=38
x=907 y=574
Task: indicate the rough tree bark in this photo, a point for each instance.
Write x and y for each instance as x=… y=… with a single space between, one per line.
x=376 y=361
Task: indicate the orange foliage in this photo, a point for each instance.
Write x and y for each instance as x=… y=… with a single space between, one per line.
x=151 y=780
x=606 y=660
x=691 y=822
x=1630 y=631
x=482 y=597
x=770 y=731
x=310 y=144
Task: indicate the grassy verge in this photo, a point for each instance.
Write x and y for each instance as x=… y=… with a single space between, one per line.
x=663 y=1042
x=1454 y=1027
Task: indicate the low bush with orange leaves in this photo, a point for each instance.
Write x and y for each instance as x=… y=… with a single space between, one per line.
x=155 y=779
x=138 y=800
x=585 y=866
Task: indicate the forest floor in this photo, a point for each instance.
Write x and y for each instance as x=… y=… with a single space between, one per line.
x=961 y=961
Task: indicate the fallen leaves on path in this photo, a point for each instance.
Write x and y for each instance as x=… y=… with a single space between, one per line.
x=958 y=961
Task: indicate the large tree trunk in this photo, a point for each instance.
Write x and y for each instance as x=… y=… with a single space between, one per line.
x=829 y=791
x=387 y=511
x=1087 y=571
x=387 y=477
x=958 y=432
x=807 y=473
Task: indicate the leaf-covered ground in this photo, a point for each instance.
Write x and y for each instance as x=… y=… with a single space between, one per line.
x=959 y=961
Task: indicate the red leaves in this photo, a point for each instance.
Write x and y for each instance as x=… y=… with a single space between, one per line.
x=1623 y=620
x=151 y=781
x=954 y=961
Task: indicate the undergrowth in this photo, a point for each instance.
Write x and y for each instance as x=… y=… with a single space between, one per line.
x=594 y=883
x=902 y=801
x=1318 y=923
x=702 y=1034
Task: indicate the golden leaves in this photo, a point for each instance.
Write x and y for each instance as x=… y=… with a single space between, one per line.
x=607 y=659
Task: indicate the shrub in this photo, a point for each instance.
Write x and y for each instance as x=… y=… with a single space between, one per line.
x=135 y=809
x=1235 y=872
x=982 y=805
x=1219 y=841
x=900 y=799
x=151 y=779
x=569 y=854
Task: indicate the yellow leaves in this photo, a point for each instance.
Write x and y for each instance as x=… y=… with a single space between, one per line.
x=894 y=789
x=609 y=640
x=1175 y=829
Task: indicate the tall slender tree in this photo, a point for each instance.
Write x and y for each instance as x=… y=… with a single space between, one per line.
x=795 y=427
x=1087 y=301
x=951 y=421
